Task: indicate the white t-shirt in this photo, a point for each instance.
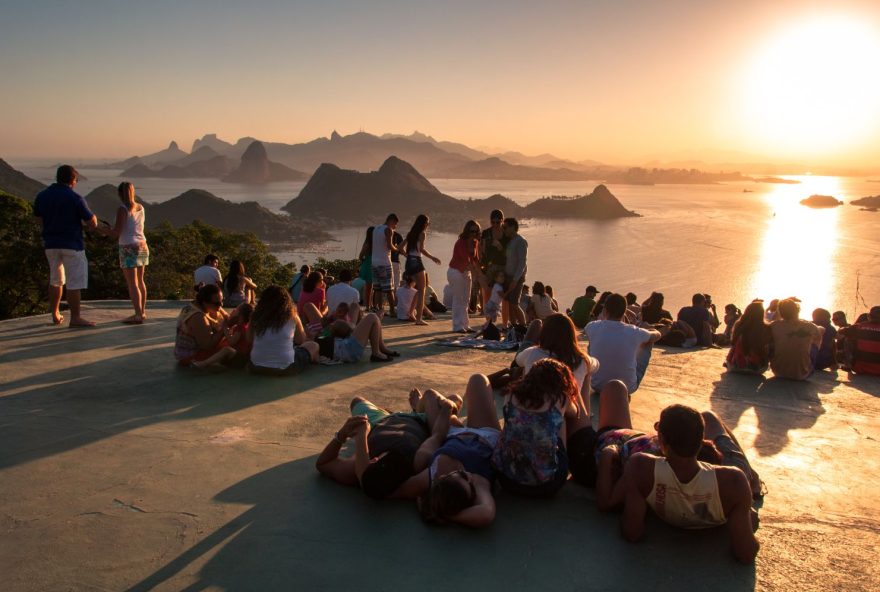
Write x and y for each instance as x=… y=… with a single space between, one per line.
x=405 y=297
x=527 y=358
x=615 y=345
x=274 y=348
x=381 y=253
x=543 y=306
x=342 y=292
x=207 y=274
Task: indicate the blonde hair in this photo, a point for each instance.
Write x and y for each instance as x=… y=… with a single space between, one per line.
x=126 y=194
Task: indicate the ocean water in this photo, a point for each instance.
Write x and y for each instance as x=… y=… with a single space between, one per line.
x=736 y=241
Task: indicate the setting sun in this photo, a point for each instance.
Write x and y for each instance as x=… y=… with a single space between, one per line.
x=813 y=89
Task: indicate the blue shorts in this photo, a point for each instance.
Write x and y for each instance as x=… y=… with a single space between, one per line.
x=347 y=349
x=382 y=278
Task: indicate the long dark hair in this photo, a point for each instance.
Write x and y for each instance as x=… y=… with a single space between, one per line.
x=752 y=329
x=368 y=241
x=418 y=227
x=233 y=278
x=273 y=310
x=600 y=304
x=538 y=289
x=312 y=281
x=206 y=294
x=549 y=381
x=559 y=337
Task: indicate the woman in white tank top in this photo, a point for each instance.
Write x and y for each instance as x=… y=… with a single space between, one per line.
x=134 y=255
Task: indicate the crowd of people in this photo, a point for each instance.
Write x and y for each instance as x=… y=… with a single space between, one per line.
x=690 y=470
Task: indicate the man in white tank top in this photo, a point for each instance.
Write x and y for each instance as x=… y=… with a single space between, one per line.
x=381 y=262
x=685 y=492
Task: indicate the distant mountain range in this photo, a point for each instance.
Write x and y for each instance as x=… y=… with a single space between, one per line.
x=338 y=197
x=17 y=183
x=254 y=167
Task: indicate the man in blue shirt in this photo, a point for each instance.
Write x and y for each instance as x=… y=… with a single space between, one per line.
x=63 y=212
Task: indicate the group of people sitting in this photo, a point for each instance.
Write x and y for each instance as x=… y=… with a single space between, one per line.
x=692 y=471
x=272 y=334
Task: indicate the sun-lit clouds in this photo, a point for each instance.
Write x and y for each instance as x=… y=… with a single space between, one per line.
x=812 y=88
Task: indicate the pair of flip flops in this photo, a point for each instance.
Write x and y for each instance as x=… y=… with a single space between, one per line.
x=391 y=355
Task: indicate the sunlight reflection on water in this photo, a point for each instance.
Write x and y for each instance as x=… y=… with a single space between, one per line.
x=799 y=246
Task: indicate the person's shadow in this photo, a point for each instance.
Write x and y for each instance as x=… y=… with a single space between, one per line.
x=780 y=405
x=305 y=532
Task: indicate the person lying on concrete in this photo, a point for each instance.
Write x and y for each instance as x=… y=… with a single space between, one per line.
x=684 y=491
x=457 y=484
x=348 y=344
x=617 y=442
x=389 y=447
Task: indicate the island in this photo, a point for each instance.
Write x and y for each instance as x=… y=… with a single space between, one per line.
x=821 y=201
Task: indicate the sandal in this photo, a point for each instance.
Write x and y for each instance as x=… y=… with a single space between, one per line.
x=375 y=358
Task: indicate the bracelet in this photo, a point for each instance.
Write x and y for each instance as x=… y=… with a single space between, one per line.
x=338 y=439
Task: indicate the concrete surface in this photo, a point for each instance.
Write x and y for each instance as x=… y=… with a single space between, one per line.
x=119 y=471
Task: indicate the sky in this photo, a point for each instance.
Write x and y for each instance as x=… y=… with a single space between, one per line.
x=618 y=81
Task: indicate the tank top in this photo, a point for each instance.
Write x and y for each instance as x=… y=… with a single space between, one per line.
x=274 y=348
x=528 y=451
x=696 y=504
x=132 y=232
x=381 y=254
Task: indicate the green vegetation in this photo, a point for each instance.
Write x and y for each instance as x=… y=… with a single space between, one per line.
x=174 y=254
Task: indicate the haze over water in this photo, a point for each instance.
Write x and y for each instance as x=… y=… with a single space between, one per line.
x=711 y=238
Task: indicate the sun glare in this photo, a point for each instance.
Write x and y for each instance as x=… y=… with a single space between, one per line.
x=813 y=89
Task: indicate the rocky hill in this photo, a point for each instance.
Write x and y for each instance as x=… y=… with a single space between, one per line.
x=212 y=168
x=104 y=202
x=170 y=154
x=872 y=201
x=337 y=197
x=495 y=168
x=16 y=183
x=256 y=168
x=196 y=204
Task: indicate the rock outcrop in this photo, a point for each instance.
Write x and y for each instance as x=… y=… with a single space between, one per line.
x=257 y=169
x=16 y=183
x=212 y=168
x=821 y=201
x=336 y=197
x=197 y=204
x=872 y=201
x=170 y=154
x=104 y=202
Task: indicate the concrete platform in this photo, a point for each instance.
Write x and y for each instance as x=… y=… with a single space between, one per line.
x=119 y=471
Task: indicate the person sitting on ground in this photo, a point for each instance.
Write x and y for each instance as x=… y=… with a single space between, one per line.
x=201 y=332
x=684 y=491
x=633 y=309
x=348 y=343
x=772 y=312
x=599 y=309
x=238 y=288
x=457 y=484
x=312 y=303
x=582 y=307
x=623 y=350
x=525 y=301
x=434 y=305
x=793 y=339
x=542 y=304
x=731 y=315
x=359 y=284
x=406 y=299
x=700 y=317
x=296 y=282
x=617 y=442
x=825 y=354
x=750 y=339
x=548 y=290
x=279 y=344
x=863 y=344
x=238 y=323
x=389 y=447
x=678 y=334
x=343 y=292
x=840 y=322
x=209 y=273
x=653 y=312
x=530 y=455
x=557 y=339
x=839 y=319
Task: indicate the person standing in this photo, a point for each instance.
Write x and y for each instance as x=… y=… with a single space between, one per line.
x=515 y=269
x=134 y=254
x=414 y=247
x=396 y=240
x=63 y=212
x=465 y=261
x=493 y=257
x=381 y=261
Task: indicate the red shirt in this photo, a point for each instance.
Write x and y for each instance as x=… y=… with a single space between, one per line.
x=866 y=354
x=316 y=297
x=464 y=253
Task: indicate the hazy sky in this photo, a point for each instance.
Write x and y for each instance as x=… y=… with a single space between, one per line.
x=615 y=80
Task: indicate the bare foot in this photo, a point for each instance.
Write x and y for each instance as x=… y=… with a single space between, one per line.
x=457 y=401
x=415 y=399
x=57 y=319
x=421 y=323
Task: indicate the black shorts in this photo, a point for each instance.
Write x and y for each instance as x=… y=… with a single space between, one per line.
x=413 y=265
